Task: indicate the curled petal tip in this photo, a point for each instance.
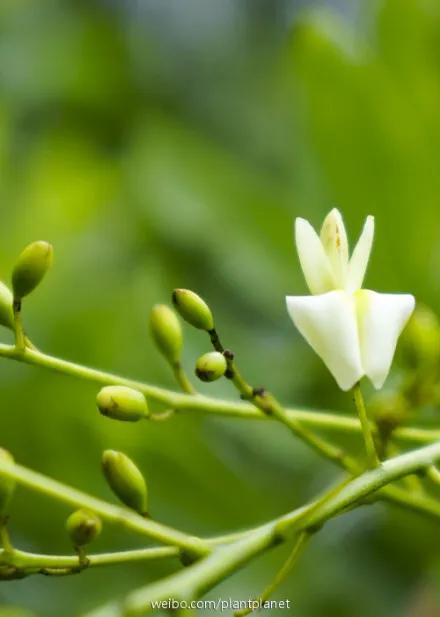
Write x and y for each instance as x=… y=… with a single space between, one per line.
x=358 y=264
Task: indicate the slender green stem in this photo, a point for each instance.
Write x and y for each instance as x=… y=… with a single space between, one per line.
x=5 y=541
x=372 y=457
x=280 y=576
x=35 y=563
x=270 y=406
x=182 y=379
x=20 y=340
x=199 y=578
x=109 y=512
x=204 y=404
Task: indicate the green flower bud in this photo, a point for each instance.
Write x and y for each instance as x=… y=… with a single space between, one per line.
x=6 y=312
x=122 y=403
x=211 y=366
x=125 y=480
x=7 y=485
x=83 y=527
x=421 y=338
x=31 y=266
x=166 y=331
x=193 y=309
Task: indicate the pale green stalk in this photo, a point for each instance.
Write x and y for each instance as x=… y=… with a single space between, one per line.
x=204 y=404
x=370 y=447
x=33 y=562
x=281 y=575
x=196 y=580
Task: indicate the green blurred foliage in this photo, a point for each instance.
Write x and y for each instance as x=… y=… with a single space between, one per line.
x=161 y=145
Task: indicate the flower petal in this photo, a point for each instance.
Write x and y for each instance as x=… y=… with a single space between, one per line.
x=357 y=266
x=334 y=240
x=314 y=262
x=328 y=323
x=381 y=319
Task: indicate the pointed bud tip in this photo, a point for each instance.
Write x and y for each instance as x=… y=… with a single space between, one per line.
x=193 y=309
x=31 y=266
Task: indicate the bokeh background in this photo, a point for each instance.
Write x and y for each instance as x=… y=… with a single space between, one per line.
x=171 y=143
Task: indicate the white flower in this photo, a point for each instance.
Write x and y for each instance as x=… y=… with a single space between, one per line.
x=353 y=330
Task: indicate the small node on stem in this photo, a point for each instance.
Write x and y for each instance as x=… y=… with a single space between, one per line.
x=167 y=332
x=83 y=527
x=30 y=268
x=211 y=366
x=193 y=309
x=7 y=486
x=122 y=403
x=189 y=556
x=125 y=480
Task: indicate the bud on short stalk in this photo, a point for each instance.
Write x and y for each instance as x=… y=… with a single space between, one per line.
x=193 y=309
x=166 y=331
x=122 y=403
x=125 y=480
x=30 y=268
x=211 y=366
x=83 y=527
x=7 y=485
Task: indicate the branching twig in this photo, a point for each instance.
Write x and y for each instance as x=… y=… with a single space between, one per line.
x=204 y=404
x=199 y=578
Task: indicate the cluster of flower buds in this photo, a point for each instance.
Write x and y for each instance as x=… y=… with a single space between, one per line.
x=167 y=332
x=127 y=483
x=125 y=480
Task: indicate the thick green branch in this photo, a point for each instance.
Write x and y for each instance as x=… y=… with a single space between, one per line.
x=204 y=404
x=197 y=579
